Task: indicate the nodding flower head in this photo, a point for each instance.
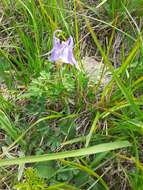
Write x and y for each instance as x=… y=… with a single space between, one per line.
x=63 y=51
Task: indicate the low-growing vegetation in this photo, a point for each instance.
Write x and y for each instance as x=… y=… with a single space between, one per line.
x=71 y=102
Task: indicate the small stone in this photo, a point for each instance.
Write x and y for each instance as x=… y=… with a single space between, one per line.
x=96 y=70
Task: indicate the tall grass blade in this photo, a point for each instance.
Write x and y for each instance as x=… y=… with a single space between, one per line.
x=8 y=127
x=119 y=82
x=67 y=154
x=92 y=130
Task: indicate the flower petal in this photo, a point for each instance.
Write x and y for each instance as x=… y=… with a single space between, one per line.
x=63 y=51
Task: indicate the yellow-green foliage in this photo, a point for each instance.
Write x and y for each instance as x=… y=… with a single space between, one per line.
x=32 y=181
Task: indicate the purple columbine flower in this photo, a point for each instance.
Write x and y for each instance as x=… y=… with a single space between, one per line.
x=63 y=51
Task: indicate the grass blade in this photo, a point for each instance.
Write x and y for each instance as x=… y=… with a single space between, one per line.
x=8 y=127
x=67 y=154
x=88 y=170
x=119 y=82
x=92 y=130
